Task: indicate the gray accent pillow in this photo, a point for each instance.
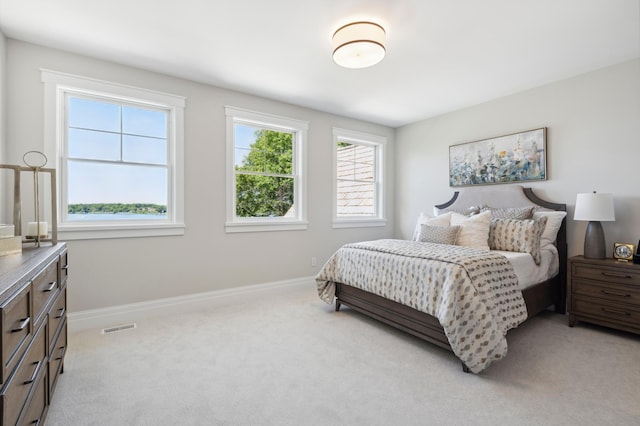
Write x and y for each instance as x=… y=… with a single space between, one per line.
x=510 y=212
x=438 y=234
x=469 y=211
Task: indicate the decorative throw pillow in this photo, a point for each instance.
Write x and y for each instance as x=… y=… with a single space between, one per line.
x=424 y=219
x=554 y=222
x=510 y=212
x=438 y=234
x=517 y=235
x=469 y=211
x=475 y=229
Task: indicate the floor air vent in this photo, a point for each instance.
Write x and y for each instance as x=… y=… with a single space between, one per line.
x=118 y=328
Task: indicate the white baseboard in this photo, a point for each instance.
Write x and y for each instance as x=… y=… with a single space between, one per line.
x=121 y=314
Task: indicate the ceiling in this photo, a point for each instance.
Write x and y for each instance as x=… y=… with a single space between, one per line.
x=441 y=55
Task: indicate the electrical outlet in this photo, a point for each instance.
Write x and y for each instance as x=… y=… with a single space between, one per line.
x=314 y=262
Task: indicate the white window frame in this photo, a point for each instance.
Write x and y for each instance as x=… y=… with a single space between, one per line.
x=57 y=86
x=379 y=143
x=299 y=163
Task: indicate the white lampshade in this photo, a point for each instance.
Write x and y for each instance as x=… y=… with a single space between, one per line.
x=359 y=45
x=594 y=207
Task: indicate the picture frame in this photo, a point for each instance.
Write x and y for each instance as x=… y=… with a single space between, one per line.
x=512 y=158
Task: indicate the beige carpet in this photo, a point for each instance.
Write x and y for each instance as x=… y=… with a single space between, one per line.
x=288 y=359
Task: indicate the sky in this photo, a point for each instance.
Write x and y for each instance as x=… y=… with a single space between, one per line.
x=130 y=150
x=119 y=153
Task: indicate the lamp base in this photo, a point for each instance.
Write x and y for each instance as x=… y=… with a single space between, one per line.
x=594 y=246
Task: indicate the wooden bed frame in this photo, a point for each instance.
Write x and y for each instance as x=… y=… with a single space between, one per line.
x=537 y=298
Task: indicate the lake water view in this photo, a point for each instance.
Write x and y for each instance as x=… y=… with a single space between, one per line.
x=97 y=217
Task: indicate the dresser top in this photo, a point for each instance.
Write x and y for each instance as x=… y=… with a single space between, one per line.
x=16 y=269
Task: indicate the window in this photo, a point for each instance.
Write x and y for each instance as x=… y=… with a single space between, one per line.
x=265 y=172
x=359 y=194
x=119 y=158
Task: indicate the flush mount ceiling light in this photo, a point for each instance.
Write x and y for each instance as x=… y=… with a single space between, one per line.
x=359 y=45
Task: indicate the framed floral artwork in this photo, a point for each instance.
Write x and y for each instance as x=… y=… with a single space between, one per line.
x=511 y=158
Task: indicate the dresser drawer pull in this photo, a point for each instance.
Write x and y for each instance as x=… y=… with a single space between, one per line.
x=615 y=311
x=51 y=286
x=63 y=349
x=615 y=293
x=65 y=267
x=614 y=275
x=61 y=314
x=23 y=324
x=35 y=373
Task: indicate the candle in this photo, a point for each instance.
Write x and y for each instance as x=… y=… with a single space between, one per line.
x=32 y=229
x=6 y=231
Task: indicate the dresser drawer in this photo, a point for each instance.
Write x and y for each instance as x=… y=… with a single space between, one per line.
x=33 y=413
x=609 y=291
x=63 y=268
x=56 y=316
x=17 y=328
x=57 y=358
x=15 y=392
x=619 y=275
x=45 y=288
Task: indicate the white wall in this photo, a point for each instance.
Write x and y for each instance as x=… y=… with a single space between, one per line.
x=4 y=195
x=593 y=142
x=119 y=271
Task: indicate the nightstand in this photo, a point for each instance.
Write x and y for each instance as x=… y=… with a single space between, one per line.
x=604 y=292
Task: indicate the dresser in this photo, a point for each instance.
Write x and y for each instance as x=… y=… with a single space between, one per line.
x=33 y=307
x=604 y=292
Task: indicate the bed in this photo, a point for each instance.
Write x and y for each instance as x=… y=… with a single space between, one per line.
x=430 y=289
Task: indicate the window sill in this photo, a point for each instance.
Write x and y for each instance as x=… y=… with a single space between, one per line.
x=233 y=227
x=359 y=223
x=94 y=232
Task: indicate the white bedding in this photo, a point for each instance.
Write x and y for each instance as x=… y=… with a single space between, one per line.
x=527 y=271
x=472 y=292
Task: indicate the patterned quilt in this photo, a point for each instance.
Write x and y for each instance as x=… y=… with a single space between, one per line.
x=472 y=292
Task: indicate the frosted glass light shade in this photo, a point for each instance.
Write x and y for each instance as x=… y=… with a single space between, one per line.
x=594 y=206
x=359 y=45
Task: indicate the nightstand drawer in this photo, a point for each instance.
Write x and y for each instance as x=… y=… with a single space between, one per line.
x=611 y=312
x=609 y=291
x=609 y=274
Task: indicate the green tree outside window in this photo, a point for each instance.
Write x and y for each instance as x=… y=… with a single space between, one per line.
x=264 y=179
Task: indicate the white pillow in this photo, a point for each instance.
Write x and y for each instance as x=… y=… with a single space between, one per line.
x=424 y=219
x=475 y=229
x=554 y=222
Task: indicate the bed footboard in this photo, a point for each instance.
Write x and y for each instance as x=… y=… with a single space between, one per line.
x=427 y=327
x=392 y=313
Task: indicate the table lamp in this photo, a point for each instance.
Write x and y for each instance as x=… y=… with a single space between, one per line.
x=594 y=207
